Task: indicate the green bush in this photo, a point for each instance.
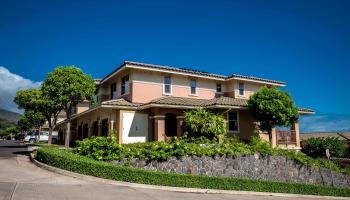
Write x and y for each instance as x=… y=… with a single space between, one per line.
x=101 y=148
x=67 y=160
x=104 y=148
x=201 y=122
x=316 y=147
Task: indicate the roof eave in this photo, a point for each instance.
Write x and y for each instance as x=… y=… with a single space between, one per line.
x=301 y=112
x=278 y=84
x=133 y=66
x=167 y=106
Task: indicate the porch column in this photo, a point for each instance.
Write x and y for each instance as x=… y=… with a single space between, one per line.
x=179 y=124
x=111 y=127
x=274 y=138
x=159 y=127
x=150 y=128
x=295 y=130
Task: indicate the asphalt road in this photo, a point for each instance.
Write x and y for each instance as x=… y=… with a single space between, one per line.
x=20 y=179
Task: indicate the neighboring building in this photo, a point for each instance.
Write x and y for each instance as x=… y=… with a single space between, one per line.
x=145 y=102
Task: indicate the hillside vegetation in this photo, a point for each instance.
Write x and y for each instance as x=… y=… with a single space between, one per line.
x=8 y=119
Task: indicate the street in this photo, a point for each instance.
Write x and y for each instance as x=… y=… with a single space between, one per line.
x=20 y=179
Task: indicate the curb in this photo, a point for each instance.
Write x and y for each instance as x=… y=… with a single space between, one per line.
x=172 y=189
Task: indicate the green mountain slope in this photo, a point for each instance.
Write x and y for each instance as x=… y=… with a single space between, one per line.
x=8 y=118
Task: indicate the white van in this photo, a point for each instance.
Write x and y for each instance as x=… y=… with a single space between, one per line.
x=34 y=136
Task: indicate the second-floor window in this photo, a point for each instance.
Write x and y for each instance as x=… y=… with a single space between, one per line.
x=218 y=88
x=167 y=85
x=241 y=89
x=125 y=85
x=193 y=86
x=113 y=90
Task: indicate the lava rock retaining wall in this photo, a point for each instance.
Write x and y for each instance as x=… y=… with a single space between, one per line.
x=275 y=168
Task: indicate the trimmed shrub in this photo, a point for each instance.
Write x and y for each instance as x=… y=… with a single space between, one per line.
x=69 y=161
x=201 y=122
x=316 y=147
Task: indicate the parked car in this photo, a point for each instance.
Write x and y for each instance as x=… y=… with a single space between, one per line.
x=34 y=136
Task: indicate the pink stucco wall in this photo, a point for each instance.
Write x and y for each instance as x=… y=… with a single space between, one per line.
x=146 y=92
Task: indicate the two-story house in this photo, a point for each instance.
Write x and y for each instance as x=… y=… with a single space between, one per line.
x=146 y=102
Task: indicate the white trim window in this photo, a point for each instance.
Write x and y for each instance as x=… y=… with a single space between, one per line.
x=233 y=121
x=167 y=85
x=193 y=87
x=241 y=89
x=125 y=85
x=218 y=88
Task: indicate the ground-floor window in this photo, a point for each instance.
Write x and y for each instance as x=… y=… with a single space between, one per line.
x=85 y=131
x=105 y=128
x=232 y=120
x=80 y=132
x=95 y=128
x=170 y=125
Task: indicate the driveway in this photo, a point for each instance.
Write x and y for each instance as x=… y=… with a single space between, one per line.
x=20 y=179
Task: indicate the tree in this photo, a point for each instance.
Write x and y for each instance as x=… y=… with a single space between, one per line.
x=23 y=124
x=69 y=86
x=35 y=100
x=35 y=119
x=8 y=131
x=201 y=122
x=272 y=107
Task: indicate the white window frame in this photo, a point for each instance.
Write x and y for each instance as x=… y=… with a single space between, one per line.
x=170 y=84
x=126 y=85
x=228 y=120
x=195 y=87
x=217 y=84
x=239 y=89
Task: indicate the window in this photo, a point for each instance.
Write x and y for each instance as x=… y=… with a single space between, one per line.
x=193 y=86
x=125 y=85
x=218 y=88
x=97 y=99
x=167 y=85
x=113 y=90
x=241 y=89
x=232 y=119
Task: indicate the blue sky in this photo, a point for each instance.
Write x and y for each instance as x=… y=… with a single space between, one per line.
x=304 y=43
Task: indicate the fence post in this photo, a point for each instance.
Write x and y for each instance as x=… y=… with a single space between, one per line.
x=330 y=166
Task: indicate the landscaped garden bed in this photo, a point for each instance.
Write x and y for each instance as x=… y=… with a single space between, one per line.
x=66 y=159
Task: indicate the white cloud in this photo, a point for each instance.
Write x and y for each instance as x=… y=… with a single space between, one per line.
x=324 y=123
x=10 y=83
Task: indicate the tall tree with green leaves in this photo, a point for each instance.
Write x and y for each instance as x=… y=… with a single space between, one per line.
x=69 y=86
x=23 y=124
x=35 y=119
x=272 y=107
x=35 y=100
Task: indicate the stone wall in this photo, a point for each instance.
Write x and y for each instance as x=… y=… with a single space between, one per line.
x=275 y=168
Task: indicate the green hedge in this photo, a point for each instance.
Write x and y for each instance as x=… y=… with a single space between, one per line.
x=69 y=161
x=106 y=149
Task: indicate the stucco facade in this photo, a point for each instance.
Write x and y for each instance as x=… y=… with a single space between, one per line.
x=144 y=102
